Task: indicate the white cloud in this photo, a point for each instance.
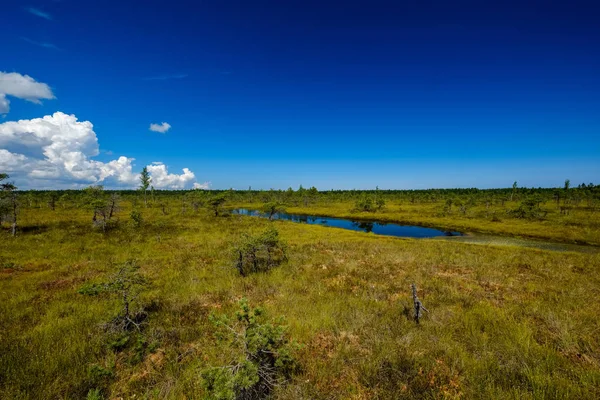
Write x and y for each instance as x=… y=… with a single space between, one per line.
x=160 y=128
x=9 y=161
x=55 y=151
x=41 y=44
x=4 y=104
x=205 y=185
x=39 y=13
x=162 y=179
x=22 y=87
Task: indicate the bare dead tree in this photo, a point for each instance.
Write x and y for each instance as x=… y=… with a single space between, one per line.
x=417 y=303
x=113 y=205
x=13 y=198
x=104 y=208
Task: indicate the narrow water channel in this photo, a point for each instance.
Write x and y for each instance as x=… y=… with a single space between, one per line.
x=376 y=227
x=413 y=231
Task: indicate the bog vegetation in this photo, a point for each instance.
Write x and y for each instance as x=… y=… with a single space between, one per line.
x=166 y=294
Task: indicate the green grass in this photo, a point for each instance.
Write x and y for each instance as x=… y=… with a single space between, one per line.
x=504 y=321
x=582 y=225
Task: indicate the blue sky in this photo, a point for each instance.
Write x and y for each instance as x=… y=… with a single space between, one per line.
x=272 y=94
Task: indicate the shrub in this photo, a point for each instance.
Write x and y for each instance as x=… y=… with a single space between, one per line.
x=98 y=373
x=266 y=356
x=448 y=205
x=128 y=283
x=215 y=204
x=495 y=217
x=529 y=209
x=369 y=203
x=91 y=289
x=364 y=203
x=136 y=218
x=94 y=394
x=104 y=207
x=260 y=253
x=9 y=205
x=379 y=203
x=272 y=208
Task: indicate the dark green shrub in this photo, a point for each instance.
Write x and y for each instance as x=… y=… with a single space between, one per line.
x=91 y=289
x=119 y=341
x=448 y=205
x=266 y=356
x=260 y=253
x=99 y=374
x=128 y=283
x=136 y=218
x=529 y=209
x=364 y=203
x=272 y=208
x=94 y=394
x=215 y=204
x=369 y=203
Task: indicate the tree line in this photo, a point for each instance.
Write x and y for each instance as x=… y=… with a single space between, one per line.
x=104 y=204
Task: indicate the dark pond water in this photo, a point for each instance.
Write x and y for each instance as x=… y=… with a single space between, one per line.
x=379 y=228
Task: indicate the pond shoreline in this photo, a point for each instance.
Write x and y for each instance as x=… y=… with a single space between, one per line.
x=441 y=225
x=361 y=225
x=480 y=237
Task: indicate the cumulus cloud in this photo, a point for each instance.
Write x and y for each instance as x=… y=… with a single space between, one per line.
x=160 y=128
x=56 y=151
x=162 y=179
x=22 y=87
x=204 y=186
x=10 y=161
x=4 y=104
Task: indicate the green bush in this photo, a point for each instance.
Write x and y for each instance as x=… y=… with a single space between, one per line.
x=136 y=218
x=260 y=253
x=128 y=283
x=369 y=203
x=272 y=208
x=266 y=356
x=529 y=209
x=94 y=394
x=91 y=289
x=215 y=204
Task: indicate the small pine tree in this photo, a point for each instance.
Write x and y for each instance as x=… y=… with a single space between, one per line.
x=272 y=208
x=8 y=202
x=145 y=180
x=136 y=218
x=215 y=204
x=128 y=283
x=514 y=190
x=260 y=253
x=266 y=356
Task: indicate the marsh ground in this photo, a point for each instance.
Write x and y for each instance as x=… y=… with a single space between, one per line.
x=504 y=321
x=581 y=225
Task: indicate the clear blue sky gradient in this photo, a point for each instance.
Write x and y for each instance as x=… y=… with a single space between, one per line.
x=272 y=94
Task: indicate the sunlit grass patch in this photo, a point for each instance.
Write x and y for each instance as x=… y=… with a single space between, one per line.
x=503 y=321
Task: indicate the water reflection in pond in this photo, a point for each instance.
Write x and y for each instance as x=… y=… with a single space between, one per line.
x=376 y=227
